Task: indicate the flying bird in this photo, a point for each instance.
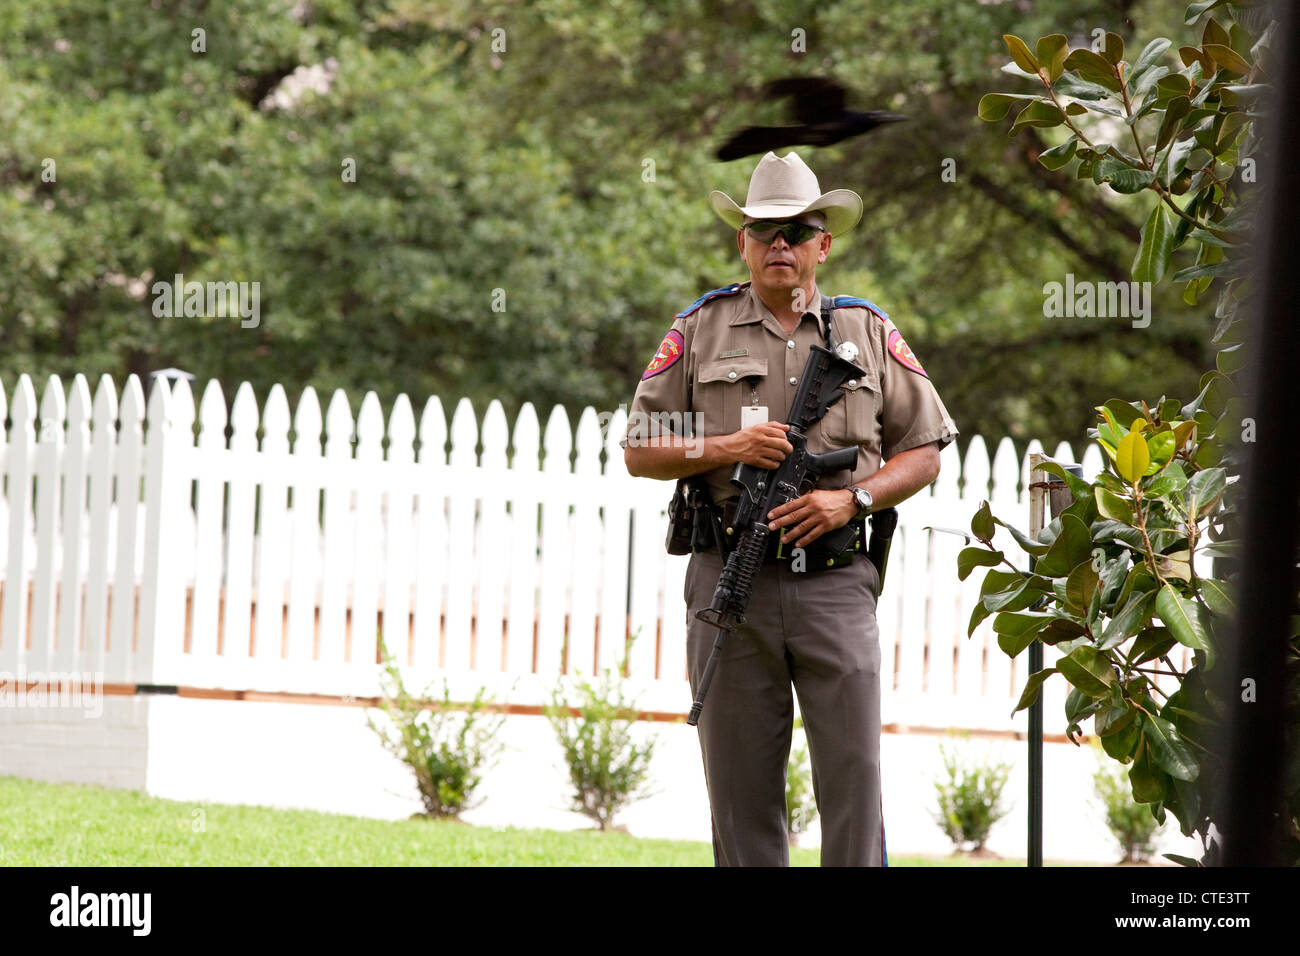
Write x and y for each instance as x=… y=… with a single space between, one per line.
x=817 y=106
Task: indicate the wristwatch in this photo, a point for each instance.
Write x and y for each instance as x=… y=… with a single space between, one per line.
x=863 y=498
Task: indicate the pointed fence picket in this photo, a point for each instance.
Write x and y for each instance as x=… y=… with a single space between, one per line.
x=138 y=542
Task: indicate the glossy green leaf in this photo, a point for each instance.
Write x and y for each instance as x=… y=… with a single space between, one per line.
x=983 y=524
x=1112 y=506
x=1166 y=745
x=1194 y=10
x=1016 y=631
x=1093 y=68
x=1017 y=599
x=1129 y=621
x=971 y=558
x=1162 y=446
x=1121 y=744
x=1182 y=617
x=1204 y=490
x=1030 y=693
x=1217 y=597
x=1151 y=644
x=1050 y=54
x=1150 y=53
x=1122 y=177
x=1113 y=48
x=1072 y=545
x=994 y=106
x=1089 y=670
x=1081 y=584
x=1172 y=122
x=1039 y=114
x=1226 y=58
x=1058 y=156
x=1061 y=629
x=1213 y=32
x=1156 y=247
x=1132 y=457
x=1078 y=487
x=1147 y=787
x=1020 y=53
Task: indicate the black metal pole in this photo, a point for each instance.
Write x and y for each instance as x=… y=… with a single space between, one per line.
x=1035 y=849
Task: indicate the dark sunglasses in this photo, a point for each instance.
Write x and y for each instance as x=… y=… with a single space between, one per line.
x=793 y=232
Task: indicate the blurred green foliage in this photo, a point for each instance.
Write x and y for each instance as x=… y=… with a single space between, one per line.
x=560 y=151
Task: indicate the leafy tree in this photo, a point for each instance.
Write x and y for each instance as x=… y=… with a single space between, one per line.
x=1114 y=582
x=480 y=165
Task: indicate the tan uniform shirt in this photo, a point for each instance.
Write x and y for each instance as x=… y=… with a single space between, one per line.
x=728 y=351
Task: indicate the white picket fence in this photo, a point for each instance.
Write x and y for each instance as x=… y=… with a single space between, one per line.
x=268 y=566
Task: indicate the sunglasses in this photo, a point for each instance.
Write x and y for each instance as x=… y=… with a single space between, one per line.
x=793 y=232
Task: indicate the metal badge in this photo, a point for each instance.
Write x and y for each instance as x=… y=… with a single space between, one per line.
x=847 y=351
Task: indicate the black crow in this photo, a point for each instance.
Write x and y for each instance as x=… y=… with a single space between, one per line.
x=817 y=105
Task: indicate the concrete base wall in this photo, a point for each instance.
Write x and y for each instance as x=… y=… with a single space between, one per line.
x=324 y=757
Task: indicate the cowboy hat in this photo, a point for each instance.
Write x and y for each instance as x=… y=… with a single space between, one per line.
x=784 y=187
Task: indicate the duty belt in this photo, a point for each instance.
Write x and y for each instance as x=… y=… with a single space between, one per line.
x=816 y=558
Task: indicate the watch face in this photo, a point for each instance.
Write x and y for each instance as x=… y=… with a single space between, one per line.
x=863 y=498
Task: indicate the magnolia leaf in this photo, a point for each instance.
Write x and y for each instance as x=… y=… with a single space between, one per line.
x=1182 y=618
x=1225 y=57
x=1020 y=53
x=1058 y=156
x=1030 y=693
x=1132 y=457
x=1093 y=68
x=1171 y=754
x=1150 y=53
x=994 y=106
x=1051 y=52
x=971 y=558
x=1122 y=177
x=1089 y=670
x=1156 y=247
x=1127 y=622
x=983 y=524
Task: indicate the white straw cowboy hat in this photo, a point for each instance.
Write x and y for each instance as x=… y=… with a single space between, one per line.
x=784 y=187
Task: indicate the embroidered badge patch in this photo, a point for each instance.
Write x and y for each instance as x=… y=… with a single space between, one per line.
x=670 y=350
x=901 y=351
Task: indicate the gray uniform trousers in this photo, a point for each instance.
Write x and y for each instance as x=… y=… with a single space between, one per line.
x=816 y=629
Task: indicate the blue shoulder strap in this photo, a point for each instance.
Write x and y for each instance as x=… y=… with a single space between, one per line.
x=852 y=301
x=708 y=297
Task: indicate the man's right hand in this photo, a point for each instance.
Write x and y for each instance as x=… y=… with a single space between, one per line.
x=762 y=446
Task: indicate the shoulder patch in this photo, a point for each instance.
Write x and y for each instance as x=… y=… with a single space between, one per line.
x=708 y=297
x=852 y=301
x=670 y=350
x=902 y=352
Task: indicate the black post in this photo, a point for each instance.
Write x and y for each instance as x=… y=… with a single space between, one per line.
x=1058 y=499
x=1035 y=759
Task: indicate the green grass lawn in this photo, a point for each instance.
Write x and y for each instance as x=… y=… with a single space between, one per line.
x=49 y=824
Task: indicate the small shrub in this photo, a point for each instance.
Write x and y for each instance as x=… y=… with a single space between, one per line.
x=970 y=800
x=1130 y=822
x=608 y=769
x=800 y=807
x=447 y=746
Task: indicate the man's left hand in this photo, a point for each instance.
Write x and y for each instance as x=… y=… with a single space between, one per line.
x=810 y=516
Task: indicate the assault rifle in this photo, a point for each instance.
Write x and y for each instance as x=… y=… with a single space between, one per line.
x=763 y=489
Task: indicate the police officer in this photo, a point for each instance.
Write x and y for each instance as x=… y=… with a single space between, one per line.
x=728 y=369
